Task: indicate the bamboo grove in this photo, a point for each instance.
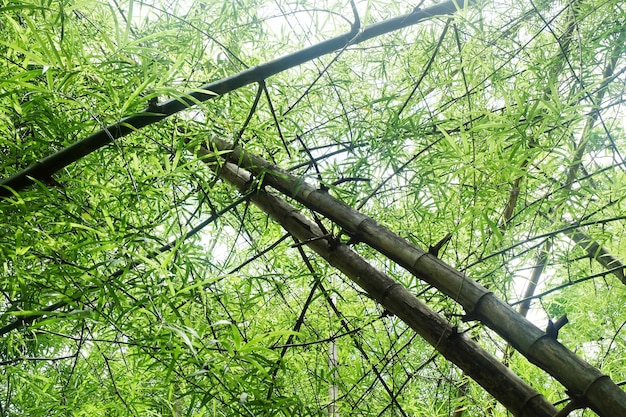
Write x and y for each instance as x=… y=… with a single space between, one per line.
x=341 y=208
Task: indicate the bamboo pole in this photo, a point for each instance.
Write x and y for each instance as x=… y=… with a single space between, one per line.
x=582 y=380
x=511 y=391
x=43 y=169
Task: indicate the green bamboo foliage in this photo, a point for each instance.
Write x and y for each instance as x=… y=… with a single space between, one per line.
x=135 y=280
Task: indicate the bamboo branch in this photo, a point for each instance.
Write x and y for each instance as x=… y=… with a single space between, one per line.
x=599 y=253
x=43 y=169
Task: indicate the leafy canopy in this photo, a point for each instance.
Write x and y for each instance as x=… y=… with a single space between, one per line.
x=502 y=125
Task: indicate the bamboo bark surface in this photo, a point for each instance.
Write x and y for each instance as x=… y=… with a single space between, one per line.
x=582 y=380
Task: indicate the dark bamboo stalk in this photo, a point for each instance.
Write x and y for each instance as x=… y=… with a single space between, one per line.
x=512 y=392
x=580 y=378
x=43 y=169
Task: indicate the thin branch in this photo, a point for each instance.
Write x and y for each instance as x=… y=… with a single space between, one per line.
x=45 y=167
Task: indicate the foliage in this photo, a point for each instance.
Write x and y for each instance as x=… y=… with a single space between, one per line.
x=502 y=125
